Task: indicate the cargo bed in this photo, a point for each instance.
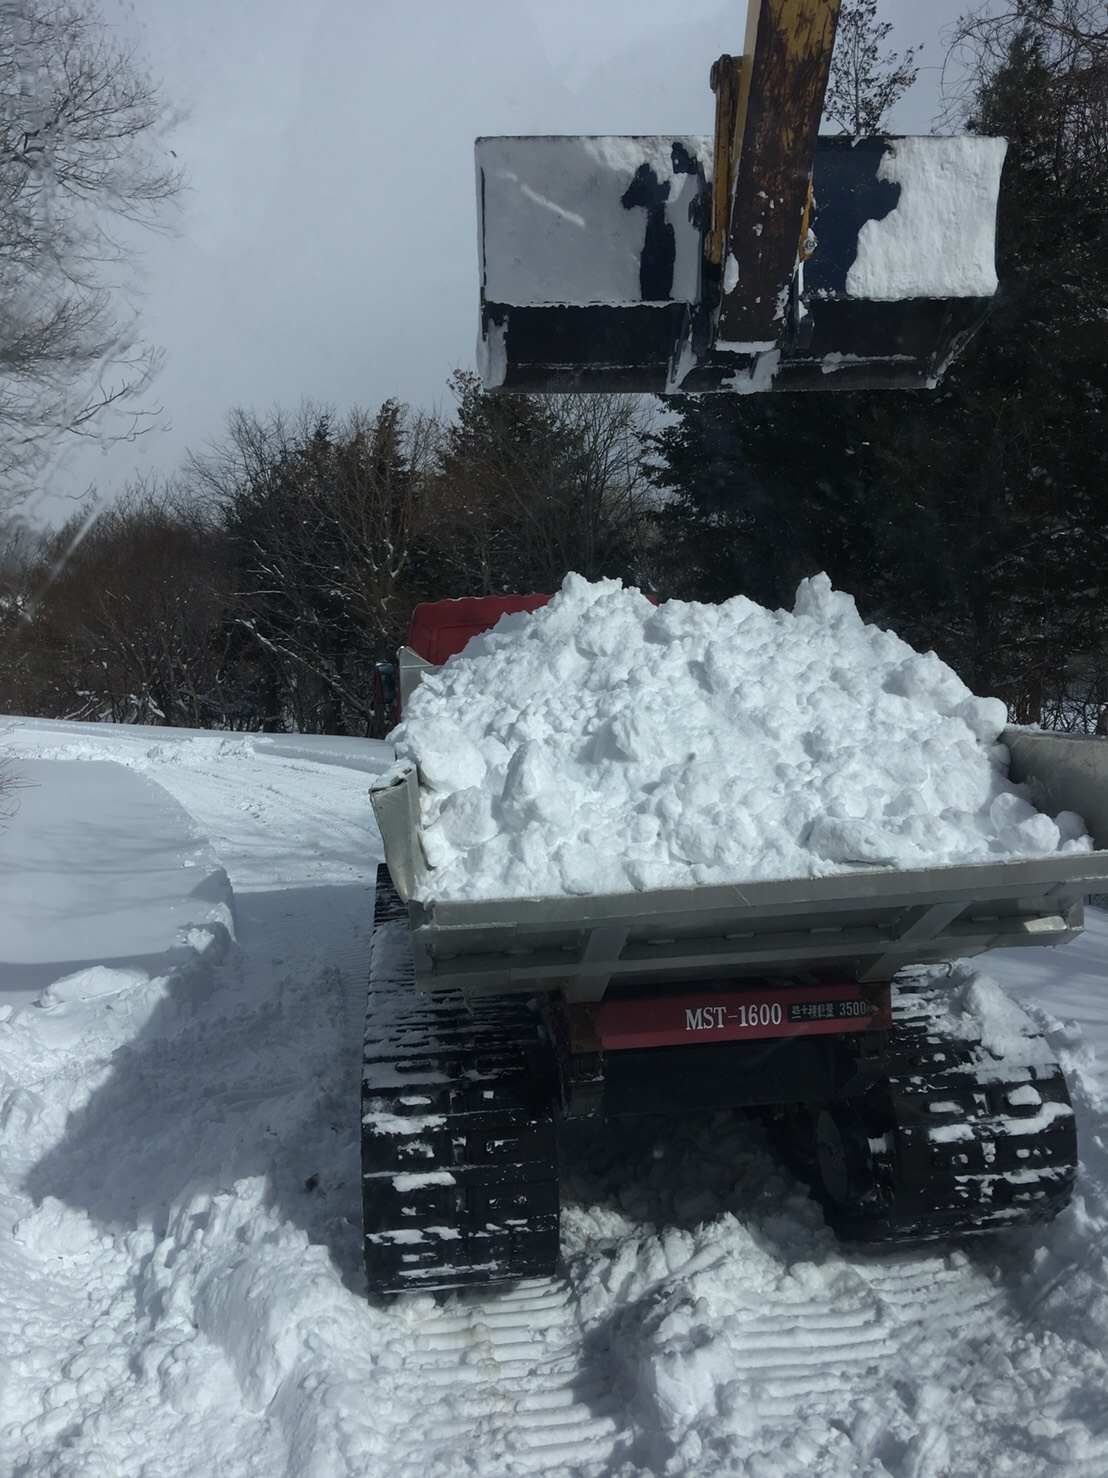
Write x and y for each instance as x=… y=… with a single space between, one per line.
x=867 y=923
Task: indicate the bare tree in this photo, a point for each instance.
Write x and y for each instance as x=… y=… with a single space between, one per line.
x=1069 y=39
x=81 y=160
x=16 y=541
x=865 y=84
x=1073 y=32
x=122 y=618
x=20 y=559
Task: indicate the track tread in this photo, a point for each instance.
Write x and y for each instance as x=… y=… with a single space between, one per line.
x=964 y=1159
x=459 y=1147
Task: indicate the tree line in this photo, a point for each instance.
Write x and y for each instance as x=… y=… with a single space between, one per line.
x=260 y=588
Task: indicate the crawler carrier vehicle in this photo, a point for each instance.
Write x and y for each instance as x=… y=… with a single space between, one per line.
x=761 y=260
x=820 y=1001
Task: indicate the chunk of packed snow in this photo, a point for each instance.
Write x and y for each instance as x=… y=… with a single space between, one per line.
x=978 y=1011
x=604 y=744
x=91 y=984
x=940 y=241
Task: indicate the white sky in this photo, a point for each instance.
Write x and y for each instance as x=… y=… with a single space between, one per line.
x=326 y=246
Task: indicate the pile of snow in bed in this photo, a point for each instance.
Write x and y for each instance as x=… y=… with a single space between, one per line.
x=604 y=744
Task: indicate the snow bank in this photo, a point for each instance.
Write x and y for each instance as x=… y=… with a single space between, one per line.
x=978 y=1011
x=603 y=744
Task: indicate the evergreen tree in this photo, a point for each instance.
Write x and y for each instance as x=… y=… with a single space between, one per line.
x=763 y=493
x=1002 y=475
x=970 y=519
x=532 y=487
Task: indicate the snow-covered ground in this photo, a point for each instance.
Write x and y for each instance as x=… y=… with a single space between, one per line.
x=182 y=973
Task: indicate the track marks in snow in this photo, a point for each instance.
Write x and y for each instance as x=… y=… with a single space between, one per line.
x=742 y=1338
x=504 y=1387
x=235 y=1086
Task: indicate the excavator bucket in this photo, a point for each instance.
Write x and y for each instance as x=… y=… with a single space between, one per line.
x=596 y=274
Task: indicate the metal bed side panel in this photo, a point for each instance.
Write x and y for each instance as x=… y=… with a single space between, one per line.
x=870 y=921
x=1064 y=772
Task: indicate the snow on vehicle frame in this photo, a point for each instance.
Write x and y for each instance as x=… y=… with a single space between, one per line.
x=762 y=258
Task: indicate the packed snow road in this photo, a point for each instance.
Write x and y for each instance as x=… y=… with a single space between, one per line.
x=181 y=992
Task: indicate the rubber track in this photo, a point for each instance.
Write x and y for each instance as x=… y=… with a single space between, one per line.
x=965 y=1157
x=459 y=1149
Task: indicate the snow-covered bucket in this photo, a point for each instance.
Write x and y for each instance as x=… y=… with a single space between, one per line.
x=593 y=273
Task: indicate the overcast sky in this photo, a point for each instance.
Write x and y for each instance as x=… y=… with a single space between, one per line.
x=325 y=248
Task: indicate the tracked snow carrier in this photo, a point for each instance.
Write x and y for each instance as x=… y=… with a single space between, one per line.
x=816 y=1000
x=763 y=259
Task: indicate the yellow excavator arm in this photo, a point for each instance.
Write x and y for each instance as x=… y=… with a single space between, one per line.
x=769 y=102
